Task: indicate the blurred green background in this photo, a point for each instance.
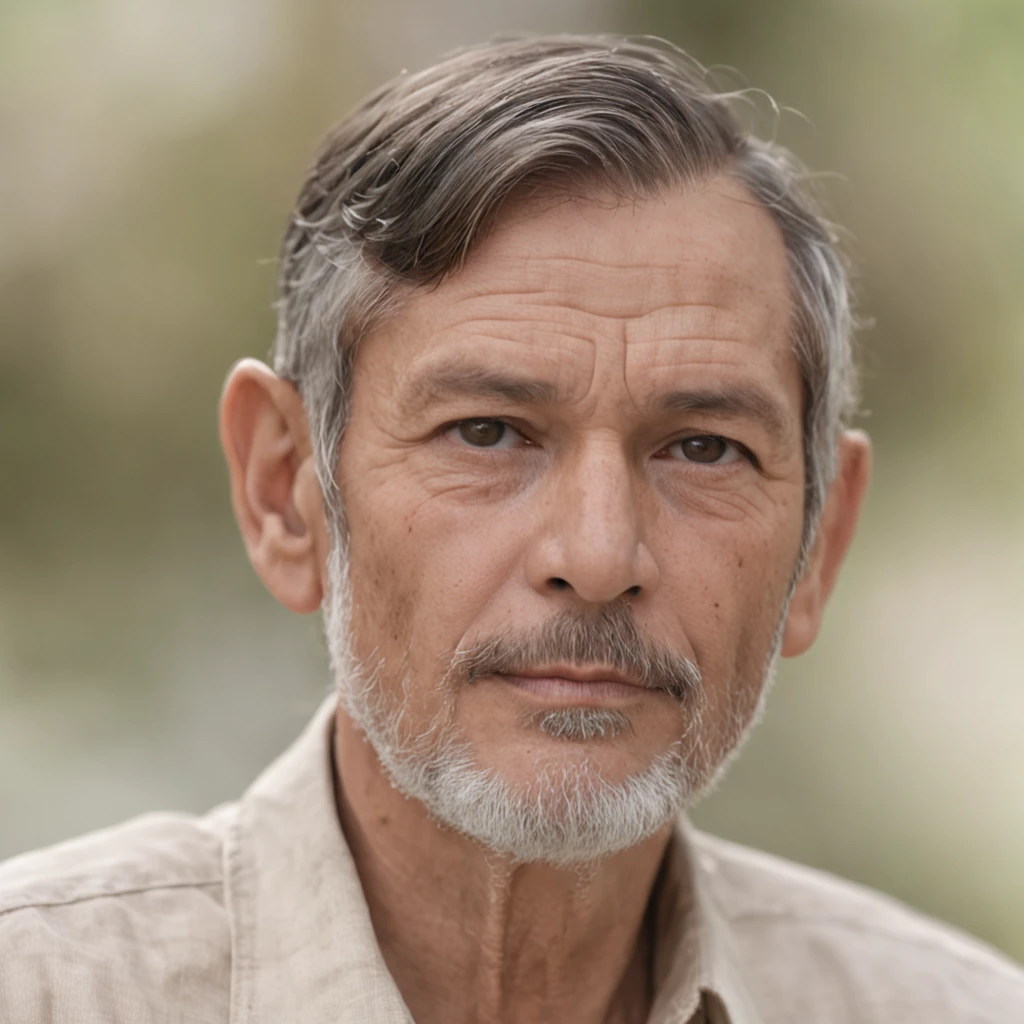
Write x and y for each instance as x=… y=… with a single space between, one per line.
x=149 y=153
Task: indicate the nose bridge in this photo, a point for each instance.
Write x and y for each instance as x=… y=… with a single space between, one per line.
x=597 y=523
x=598 y=481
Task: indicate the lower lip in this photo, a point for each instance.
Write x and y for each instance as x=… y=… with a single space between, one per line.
x=558 y=689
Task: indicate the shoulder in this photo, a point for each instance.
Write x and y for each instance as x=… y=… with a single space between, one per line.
x=830 y=942
x=124 y=924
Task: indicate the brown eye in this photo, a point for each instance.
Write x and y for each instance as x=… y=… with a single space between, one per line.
x=705 y=448
x=482 y=433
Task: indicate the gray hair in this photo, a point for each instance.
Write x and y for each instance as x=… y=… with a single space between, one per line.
x=404 y=186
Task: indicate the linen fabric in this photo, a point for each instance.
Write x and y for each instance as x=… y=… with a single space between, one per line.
x=254 y=914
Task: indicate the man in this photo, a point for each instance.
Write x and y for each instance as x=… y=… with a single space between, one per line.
x=555 y=437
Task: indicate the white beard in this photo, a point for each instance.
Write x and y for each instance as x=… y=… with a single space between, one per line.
x=567 y=816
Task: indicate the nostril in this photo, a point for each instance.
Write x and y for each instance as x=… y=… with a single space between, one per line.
x=633 y=591
x=558 y=583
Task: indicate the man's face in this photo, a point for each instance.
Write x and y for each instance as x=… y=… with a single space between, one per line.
x=597 y=419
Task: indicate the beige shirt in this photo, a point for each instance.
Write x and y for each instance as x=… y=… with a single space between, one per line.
x=254 y=914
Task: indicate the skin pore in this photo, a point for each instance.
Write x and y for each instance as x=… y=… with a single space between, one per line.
x=602 y=407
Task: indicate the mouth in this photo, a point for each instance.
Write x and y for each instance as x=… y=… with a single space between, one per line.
x=565 y=684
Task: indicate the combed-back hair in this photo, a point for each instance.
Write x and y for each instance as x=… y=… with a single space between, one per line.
x=403 y=187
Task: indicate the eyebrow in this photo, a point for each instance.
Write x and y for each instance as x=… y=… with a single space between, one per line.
x=458 y=381
x=731 y=400
x=473 y=381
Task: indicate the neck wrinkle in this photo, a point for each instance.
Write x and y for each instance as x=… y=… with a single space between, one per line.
x=469 y=936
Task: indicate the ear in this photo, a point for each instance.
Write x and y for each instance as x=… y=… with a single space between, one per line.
x=836 y=528
x=274 y=490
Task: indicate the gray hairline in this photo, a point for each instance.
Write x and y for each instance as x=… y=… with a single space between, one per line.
x=352 y=297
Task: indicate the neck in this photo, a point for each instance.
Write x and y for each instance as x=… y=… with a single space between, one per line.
x=471 y=936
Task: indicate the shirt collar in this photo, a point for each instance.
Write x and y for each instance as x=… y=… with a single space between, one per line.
x=695 y=952
x=303 y=945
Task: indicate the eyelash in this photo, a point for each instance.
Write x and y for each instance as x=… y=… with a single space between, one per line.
x=449 y=428
x=741 y=449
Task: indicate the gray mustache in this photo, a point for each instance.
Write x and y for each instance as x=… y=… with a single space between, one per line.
x=610 y=639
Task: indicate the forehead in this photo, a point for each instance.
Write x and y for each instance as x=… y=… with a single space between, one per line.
x=712 y=242
x=693 y=277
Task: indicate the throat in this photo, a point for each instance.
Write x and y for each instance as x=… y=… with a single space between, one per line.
x=470 y=936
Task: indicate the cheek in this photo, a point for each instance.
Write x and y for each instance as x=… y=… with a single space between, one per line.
x=425 y=569
x=727 y=583
x=387 y=615
x=383 y=596
x=468 y=562
x=382 y=567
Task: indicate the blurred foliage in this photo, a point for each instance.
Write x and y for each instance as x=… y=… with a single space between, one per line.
x=150 y=153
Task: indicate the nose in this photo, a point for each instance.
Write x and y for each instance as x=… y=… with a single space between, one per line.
x=591 y=540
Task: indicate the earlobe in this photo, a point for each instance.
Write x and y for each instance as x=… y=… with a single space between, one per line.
x=803 y=619
x=836 y=530
x=265 y=437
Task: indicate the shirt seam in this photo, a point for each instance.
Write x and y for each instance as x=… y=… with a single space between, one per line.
x=113 y=893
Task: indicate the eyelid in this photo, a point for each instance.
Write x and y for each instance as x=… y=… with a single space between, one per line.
x=741 y=449
x=448 y=430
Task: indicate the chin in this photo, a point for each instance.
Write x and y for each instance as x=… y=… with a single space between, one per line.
x=610 y=760
x=559 y=802
x=558 y=792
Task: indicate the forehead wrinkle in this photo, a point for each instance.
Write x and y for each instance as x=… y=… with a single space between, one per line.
x=559 y=305
x=528 y=329
x=607 y=291
x=713 y=242
x=461 y=377
x=571 y=293
x=438 y=325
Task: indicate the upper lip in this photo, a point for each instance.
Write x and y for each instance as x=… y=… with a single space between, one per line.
x=579 y=673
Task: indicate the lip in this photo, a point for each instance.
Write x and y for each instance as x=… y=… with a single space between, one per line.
x=562 y=685
x=579 y=674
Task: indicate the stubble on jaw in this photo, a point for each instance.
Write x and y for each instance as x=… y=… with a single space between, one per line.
x=568 y=814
